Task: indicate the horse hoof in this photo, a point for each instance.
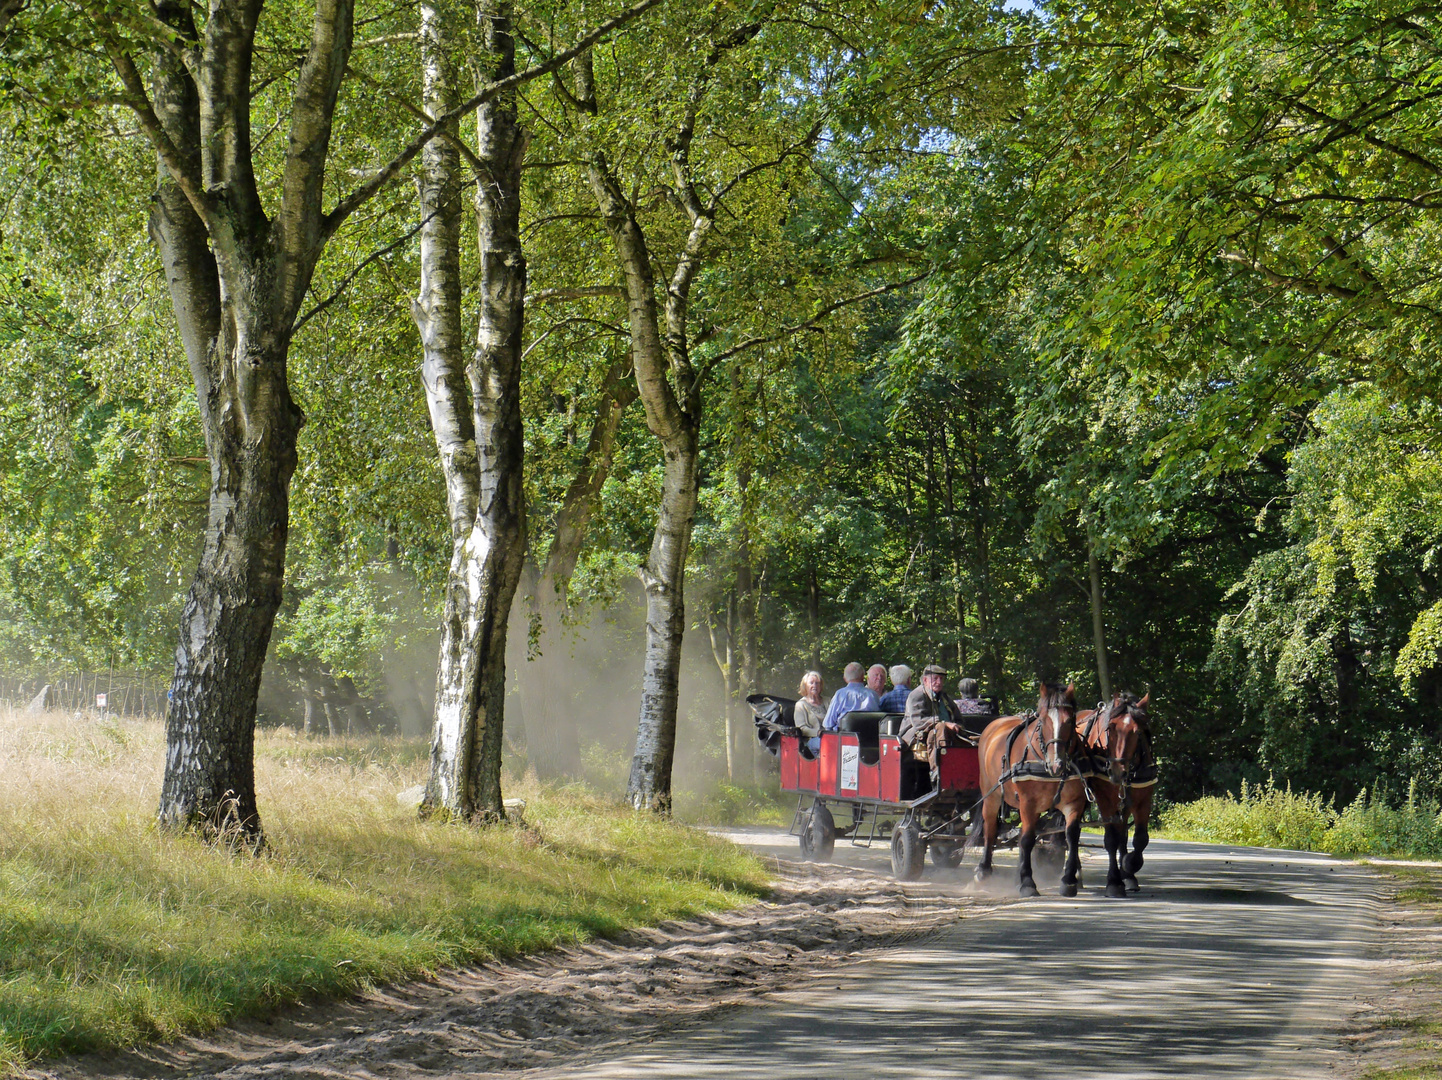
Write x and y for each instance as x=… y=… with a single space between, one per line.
x=1068 y=890
x=1131 y=884
x=1028 y=890
x=1115 y=890
x=982 y=873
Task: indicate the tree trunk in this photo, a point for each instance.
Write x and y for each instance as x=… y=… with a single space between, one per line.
x=721 y=653
x=674 y=417
x=663 y=577
x=487 y=551
x=1099 y=641
x=236 y=282
x=813 y=614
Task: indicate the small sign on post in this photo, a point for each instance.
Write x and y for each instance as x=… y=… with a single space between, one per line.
x=100 y=700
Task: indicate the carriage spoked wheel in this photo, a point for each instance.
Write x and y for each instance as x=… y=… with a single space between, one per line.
x=908 y=850
x=818 y=834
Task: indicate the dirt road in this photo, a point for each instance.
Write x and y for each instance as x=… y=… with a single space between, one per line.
x=1231 y=963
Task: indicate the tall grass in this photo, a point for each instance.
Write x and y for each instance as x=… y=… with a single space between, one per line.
x=113 y=933
x=1264 y=815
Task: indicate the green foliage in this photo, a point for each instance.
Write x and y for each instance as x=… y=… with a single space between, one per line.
x=731 y=804
x=1262 y=815
x=1265 y=815
x=1371 y=826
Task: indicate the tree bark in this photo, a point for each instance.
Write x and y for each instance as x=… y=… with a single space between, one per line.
x=674 y=417
x=1099 y=641
x=489 y=549
x=813 y=615
x=721 y=652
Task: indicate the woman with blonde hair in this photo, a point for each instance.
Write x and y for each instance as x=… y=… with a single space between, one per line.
x=810 y=709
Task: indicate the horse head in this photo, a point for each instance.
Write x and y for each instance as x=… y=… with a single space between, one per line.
x=1056 y=711
x=1122 y=730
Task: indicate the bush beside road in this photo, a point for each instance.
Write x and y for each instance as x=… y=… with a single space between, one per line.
x=1269 y=816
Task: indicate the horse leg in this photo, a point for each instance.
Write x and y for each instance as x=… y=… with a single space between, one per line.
x=990 y=817
x=1142 y=812
x=1115 y=829
x=1029 y=820
x=1073 y=851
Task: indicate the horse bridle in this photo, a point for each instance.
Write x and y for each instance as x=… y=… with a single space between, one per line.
x=1105 y=713
x=1042 y=745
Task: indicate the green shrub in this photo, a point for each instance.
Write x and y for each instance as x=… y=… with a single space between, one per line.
x=1268 y=816
x=731 y=804
x=1370 y=826
x=1262 y=816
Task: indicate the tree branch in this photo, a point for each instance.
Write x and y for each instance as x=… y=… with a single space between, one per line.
x=139 y=102
x=542 y=296
x=1283 y=281
x=366 y=191
x=355 y=272
x=829 y=309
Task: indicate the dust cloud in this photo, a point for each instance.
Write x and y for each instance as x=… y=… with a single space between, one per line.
x=572 y=710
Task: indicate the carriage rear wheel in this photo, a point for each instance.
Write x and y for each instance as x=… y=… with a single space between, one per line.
x=818 y=834
x=908 y=851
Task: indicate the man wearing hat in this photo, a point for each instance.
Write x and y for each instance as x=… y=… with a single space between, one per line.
x=931 y=716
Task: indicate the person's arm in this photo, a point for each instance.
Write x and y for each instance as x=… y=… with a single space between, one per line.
x=833 y=713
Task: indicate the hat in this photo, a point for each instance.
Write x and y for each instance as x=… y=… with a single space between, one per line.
x=933 y=669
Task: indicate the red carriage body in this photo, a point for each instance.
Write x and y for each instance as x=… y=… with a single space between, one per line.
x=887 y=787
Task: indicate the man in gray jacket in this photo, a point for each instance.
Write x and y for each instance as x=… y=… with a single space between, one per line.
x=931 y=716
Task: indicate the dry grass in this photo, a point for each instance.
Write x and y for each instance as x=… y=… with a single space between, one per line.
x=111 y=933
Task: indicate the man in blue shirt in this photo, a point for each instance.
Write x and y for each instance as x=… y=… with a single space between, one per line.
x=851 y=697
x=894 y=700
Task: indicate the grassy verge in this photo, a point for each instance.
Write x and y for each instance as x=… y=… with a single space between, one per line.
x=1421 y=1050
x=1268 y=816
x=112 y=934
x=732 y=804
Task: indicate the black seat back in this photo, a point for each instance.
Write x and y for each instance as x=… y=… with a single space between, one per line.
x=866 y=725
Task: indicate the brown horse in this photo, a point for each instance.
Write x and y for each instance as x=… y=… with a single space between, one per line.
x=1027 y=762
x=1119 y=737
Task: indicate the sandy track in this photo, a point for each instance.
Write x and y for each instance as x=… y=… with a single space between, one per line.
x=569 y=1004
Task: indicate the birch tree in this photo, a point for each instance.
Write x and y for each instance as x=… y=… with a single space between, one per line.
x=475 y=409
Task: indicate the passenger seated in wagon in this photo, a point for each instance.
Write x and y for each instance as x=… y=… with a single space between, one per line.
x=810 y=710
x=932 y=719
x=976 y=711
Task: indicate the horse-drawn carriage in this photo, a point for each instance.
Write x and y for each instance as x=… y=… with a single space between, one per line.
x=888 y=789
x=1036 y=787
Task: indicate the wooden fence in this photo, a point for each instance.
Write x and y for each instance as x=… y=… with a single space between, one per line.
x=127 y=693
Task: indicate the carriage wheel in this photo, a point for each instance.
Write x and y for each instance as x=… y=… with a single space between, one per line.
x=818 y=835
x=908 y=851
x=1050 y=852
